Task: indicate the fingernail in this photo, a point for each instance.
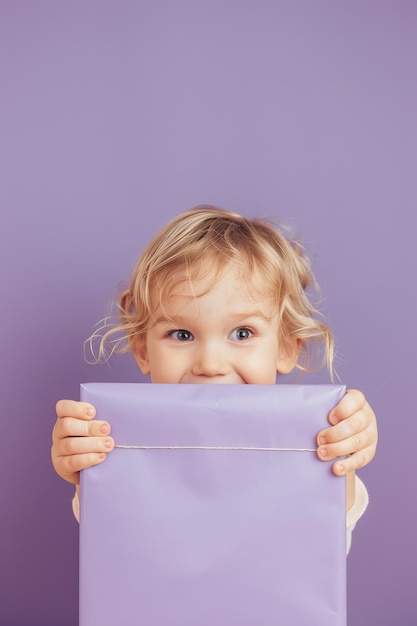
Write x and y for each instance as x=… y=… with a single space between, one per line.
x=322 y=440
x=108 y=443
x=102 y=456
x=90 y=412
x=340 y=468
x=334 y=419
x=105 y=429
x=323 y=451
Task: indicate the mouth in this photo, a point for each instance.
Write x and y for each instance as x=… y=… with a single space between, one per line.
x=213 y=380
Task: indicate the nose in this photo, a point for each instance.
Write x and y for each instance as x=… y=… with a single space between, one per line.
x=209 y=360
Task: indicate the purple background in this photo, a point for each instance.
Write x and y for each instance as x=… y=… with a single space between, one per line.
x=116 y=116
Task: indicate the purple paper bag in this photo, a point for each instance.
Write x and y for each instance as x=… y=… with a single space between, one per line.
x=214 y=510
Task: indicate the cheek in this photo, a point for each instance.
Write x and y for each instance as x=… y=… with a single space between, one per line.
x=165 y=366
x=267 y=377
x=260 y=369
x=163 y=375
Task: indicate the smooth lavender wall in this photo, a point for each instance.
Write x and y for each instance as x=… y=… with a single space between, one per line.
x=115 y=116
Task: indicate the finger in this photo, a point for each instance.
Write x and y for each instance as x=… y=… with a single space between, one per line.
x=80 y=410
x=354 y=444
x=352 y=401
x=74 y=427
x=69 y=467
x=71 y=446
x=348 y=427
x=353 y=462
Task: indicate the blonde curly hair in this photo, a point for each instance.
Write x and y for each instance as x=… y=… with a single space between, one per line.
x=209 y=237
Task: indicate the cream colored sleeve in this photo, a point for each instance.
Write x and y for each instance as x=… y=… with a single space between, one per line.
x=76 y=506
x=356 y=510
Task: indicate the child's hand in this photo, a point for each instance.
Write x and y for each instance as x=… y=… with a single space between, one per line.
x=78 y=440
x=354 y=434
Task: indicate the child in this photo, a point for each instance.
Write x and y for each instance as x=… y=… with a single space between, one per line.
x=218 y=298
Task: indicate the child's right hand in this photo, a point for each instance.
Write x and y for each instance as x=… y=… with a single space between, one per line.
x=78 y=440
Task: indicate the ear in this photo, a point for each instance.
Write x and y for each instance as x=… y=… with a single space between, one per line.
x=288 y=356
x=140 y=352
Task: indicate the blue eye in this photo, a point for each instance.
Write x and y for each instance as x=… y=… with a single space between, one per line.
x=240 y=334
x=181 y=335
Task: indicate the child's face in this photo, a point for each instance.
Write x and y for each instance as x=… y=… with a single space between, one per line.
x=224 y=336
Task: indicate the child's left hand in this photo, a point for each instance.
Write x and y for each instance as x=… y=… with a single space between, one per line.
x=354 y=433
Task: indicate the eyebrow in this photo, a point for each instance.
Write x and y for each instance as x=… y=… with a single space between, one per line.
x=238 y=317
x=250 y=314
